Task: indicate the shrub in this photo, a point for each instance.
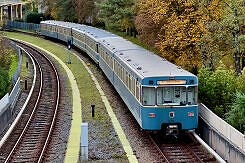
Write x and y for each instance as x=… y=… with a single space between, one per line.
x=5 y=53
x=4 y=82
x=236 y=116
x=33 y=17
x=217 y=89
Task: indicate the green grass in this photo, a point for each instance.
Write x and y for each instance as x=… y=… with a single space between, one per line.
x=88 y=91
x=13 y=65
x=23 y=30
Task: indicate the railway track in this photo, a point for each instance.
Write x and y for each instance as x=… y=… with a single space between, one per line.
x=30 y=137
x=183 y=149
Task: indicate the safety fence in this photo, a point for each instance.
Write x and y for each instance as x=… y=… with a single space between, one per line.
x=24 y=25
x=222 y=137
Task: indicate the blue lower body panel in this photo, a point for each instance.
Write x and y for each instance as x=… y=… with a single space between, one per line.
x=64 y=37
x=162 y=117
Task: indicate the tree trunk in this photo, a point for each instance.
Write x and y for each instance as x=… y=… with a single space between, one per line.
x=236 y=53
x=126 y=31
x=243 y=62
x=130 y=31
x=135 y=33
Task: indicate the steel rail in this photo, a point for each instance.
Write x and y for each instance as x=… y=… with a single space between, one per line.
x=56 y=109
x=158 y=149
x=193 y=153
x=40 y=158
x=28 y=122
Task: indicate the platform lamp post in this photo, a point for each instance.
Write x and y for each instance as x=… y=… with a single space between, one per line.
x=69 y=48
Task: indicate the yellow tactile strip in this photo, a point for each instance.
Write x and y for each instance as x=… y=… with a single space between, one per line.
x=127 y=148
x=73 y=146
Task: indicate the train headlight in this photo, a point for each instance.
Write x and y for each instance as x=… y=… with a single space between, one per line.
x=191 y=114
x=151 y=115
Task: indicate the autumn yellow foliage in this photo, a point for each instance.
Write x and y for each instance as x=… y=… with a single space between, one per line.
x=180 y=25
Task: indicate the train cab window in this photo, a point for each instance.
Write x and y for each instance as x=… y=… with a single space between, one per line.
x=171 y=95
x=192 y=95
x=148 y=96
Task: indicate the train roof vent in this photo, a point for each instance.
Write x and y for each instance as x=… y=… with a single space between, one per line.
x=178 y=67
x=129 y=60
x=139 y=68
x=121 y=54
x=164 y=59
x=113 y=48
x=108 y=44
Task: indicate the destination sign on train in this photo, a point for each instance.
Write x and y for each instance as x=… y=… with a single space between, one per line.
x=170 y=82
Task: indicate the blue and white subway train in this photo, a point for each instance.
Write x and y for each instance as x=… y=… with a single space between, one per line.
x=159 y=94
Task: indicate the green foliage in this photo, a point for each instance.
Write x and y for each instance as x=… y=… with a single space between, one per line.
x=65 y=10
x=116 y=14
x=217 y=89
x=13 y=66
x=4 y=82
x=236 y=116
x=33 y=17
x=32 y=5
x=86 y=11
x=5 y=53
x=19 y=20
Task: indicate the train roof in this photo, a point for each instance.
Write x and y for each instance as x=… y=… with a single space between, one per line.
x=141 y=60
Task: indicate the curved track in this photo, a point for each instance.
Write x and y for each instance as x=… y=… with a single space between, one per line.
x=30 y=137
x=183 y=149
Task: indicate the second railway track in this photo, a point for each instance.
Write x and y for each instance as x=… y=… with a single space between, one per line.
x=182 y=149
x=29 y=139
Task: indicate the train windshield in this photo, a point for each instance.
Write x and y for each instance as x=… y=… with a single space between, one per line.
x=171 y=96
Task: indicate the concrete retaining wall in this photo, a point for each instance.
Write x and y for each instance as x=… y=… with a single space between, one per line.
x=7 y=104
x=5 y=116
x=223 y=138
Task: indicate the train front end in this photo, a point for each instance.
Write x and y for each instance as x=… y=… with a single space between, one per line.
x=169 y=104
